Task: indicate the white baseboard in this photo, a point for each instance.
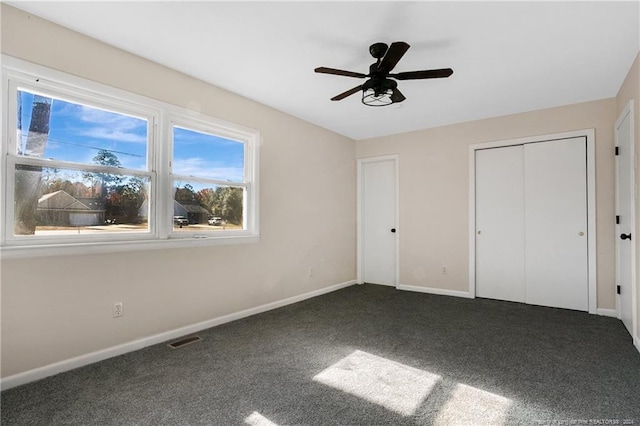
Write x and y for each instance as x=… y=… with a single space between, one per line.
x=439 y=291
x=607 y=312
x=90 y=358
x=636 y=343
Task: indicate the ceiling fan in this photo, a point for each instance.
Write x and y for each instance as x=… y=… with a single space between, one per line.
x=381 y=88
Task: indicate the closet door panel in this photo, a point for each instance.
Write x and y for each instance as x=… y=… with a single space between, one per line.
x=500 y=224
x=555 y=197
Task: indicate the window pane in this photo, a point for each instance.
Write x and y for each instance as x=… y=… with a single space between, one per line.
x=53 y=128
x=200 y=207
x=51 y=201
x=207 y=156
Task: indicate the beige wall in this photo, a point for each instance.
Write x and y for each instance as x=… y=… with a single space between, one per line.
x=630 y=89
x=59 y=307
x=434 y=190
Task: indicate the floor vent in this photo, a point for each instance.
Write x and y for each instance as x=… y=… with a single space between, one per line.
x=184 y=342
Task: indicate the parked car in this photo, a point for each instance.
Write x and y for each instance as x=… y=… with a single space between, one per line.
x=180 y=220
x=216 y=221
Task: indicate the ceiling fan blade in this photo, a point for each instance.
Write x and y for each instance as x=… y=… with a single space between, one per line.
x=394 y=54
x=397 y=96
x=347 y=93
x=420 y=75
x=325 y=70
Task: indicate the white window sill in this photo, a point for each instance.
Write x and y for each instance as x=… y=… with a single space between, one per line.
x=72 y=249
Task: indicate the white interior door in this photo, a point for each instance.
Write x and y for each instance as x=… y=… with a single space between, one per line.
x=500 y=223
x=556 y=256
x=378 y=225
x=625 y=218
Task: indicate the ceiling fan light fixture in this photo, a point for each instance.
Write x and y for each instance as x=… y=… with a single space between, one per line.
x=378 y=92
x=371 y=97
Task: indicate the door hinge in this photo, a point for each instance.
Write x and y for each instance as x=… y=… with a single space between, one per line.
x=618 y=289
x=617 y=151
x=617 y=219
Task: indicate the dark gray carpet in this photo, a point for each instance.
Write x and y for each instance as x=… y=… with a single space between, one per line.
x=379 y=356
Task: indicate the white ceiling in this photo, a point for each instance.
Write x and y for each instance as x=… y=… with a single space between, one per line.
x=507 y=57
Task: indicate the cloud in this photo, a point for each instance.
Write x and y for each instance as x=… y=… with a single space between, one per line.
x=94 y=115
x=200 y=167
x=110 y=125
x=112 y=134
x=184 y=136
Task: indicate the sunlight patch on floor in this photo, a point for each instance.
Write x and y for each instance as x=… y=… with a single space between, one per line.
x=472 y=406
x=395 y=386
x=257 y=419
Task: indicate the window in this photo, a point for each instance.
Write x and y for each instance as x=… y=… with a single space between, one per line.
x=208 y=179
x=91 y=165
x=76 y=169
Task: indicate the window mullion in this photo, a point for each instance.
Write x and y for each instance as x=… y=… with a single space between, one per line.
x=164 y=200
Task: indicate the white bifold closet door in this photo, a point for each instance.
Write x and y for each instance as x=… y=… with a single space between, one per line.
x=531 y=224
x=500 y=224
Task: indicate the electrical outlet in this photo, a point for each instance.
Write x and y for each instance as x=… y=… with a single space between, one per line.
x=310 y=272
x=118 y=309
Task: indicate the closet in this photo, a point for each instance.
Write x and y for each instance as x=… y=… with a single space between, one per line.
x=531 y=242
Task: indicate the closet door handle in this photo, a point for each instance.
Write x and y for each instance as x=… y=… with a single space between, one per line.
x=393 y=230
x=626 y=236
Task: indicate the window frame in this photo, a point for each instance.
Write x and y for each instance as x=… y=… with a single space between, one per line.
x=50 y=88
x=160 y=117
x=216 y=128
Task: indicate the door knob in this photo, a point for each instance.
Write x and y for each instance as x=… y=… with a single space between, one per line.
x=393 y=230
x=626 y=236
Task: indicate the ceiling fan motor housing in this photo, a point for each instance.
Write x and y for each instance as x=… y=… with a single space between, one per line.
x=378 y=50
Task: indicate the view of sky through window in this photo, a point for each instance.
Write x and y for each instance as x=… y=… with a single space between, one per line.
x=206 y=155
x=78 y=132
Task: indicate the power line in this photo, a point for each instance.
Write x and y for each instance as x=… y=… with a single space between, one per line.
x=96 y=148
